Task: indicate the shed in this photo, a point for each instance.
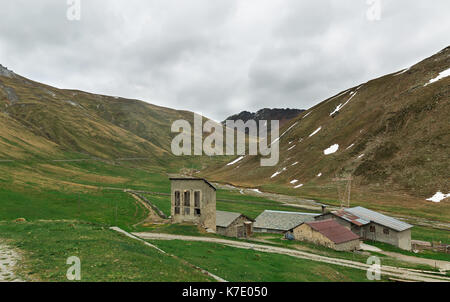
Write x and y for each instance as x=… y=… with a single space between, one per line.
x=233 y=224
x=280 y=222
x=328 y=233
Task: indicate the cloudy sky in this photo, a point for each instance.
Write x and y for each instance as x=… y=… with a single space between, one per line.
x=219 y=57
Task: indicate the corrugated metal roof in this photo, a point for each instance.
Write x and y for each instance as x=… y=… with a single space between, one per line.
x=224 y=219
x=333 y=231
x=351 y=218
x=281 y=221
x=379 y=218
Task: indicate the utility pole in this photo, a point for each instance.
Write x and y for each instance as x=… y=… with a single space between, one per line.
x=345 y=195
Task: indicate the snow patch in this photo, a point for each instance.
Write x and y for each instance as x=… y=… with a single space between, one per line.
x=278 y=173
x=315 y=132
x=340 y=106
x=307 y=114
x=294 y=181
x=299 y=186
x=402 y=72
x=236 y=161
x=292 y=147
x=442 y=75
x=72 y=103
x=319 y=175
x=331 y=150
x=438 y=197
x=349 y=147
x=256 y=191
x=361 y=156
x=339 y=95
x=287 y=130
x=294 y=164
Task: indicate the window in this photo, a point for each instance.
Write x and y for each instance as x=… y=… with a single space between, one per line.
x=177 y=198
x=187 y=211
x=197 y=199
x=372 y=229
x=197 y=212
x=177 y=210
x=386 y=231
x=187 y=198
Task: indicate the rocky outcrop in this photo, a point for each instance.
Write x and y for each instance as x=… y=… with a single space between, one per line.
x=5 y=72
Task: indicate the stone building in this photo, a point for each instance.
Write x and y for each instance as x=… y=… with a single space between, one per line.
x=328 y=233
x=280 y=222
x=193 y=200
x=233 y=224
x=371 y=225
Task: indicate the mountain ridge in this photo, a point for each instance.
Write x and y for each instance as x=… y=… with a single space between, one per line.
x=390 y=133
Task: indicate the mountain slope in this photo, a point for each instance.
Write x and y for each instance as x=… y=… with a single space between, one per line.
x=391 y=133
x=266 y=114
x=43 y=121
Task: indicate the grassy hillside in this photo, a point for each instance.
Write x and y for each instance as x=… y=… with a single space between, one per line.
x=105 y=255
x=391 y=134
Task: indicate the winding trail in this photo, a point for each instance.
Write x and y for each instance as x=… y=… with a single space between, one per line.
x=119 y=230
x=395 y=272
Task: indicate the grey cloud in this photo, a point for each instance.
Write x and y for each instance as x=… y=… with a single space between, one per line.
x=218 y=57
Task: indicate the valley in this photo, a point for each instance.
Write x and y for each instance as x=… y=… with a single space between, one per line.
x=71 y=163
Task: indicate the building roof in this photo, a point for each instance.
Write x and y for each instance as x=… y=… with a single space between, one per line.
x=379 y=218
x=224 y=219
x=333 y=231
x=356 y=220
x=194 y=178
x=282 y=221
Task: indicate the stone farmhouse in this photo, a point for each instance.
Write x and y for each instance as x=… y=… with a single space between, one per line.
x=371 y=225
x=328 y=233
x=280 y=222
x=193 y=200
x=233 y=224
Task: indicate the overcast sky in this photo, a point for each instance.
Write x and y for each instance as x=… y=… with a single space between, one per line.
x=218 y=57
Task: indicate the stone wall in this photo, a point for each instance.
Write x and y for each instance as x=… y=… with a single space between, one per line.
x=207 y=217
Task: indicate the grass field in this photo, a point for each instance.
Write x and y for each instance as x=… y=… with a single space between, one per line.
x=51 y=195
x=238 y=265
x=104 y=254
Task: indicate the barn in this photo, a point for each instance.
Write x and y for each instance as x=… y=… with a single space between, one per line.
x=279 y=222
x=233 y=224
x=328 y=233
x=371 y=225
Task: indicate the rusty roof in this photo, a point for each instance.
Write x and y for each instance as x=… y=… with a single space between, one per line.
x=356 y=220
x=333 y=231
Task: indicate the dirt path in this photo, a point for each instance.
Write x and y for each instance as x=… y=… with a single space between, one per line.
x=119 y=230
x=439 y=264
x=152 y=216
x=396 y=272
x=8 y=260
